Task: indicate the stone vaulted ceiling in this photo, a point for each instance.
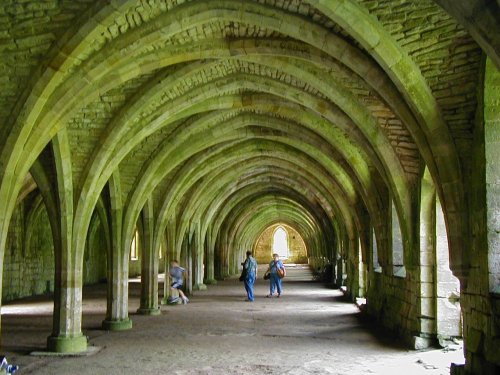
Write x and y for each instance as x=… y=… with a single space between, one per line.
x=233 y=115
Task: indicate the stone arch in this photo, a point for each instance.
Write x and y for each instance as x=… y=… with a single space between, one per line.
x=230 y=206
x=197 y=161
x=123 y=148
x=248 y=7
x=228 y=199
x=34 y=213
x=71 y=72
x=270 y=213
x=164 y=167
x=444 y=168
x=212 y=188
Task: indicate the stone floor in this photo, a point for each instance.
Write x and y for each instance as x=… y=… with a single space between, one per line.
x=309 y=330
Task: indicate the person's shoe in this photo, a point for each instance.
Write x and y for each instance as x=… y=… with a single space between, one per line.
x=279 y=294
x=10 y=369
x=185 y=301
x=172 y=300
x=269 y=295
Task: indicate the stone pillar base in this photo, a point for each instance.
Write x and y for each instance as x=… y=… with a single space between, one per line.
x=200 y=287
x=64 y=344
x=117 y=325
x=419 y=343
x=148 y=311
x=210 y=282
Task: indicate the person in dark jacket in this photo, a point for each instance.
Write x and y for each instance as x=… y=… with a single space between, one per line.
x=250 y=267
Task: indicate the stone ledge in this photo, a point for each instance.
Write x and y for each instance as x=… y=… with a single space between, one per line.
x=67 y=344
x=117 y=325
x=149 y=311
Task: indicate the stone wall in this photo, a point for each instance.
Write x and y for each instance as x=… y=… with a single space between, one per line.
x=480 y=304
x=28 y=270
x=446 y=54
x=29 y=260
x=28 y=29
x=392 y=301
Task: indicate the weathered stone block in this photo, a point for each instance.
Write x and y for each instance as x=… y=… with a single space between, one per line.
x=427 y=306
x=419 y=343
x=474 y=340
x=428 y=326
x=427 y=290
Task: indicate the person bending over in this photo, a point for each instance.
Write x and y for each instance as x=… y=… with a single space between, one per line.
x=176 y=273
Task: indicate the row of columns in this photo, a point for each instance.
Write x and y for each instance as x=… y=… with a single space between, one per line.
x=67 y=336
x=370 y=259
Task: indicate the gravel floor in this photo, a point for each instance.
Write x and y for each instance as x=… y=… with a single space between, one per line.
x=309 y=330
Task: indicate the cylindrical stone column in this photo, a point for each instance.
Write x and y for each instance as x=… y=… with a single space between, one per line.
x=149 y=266
x=117 y=299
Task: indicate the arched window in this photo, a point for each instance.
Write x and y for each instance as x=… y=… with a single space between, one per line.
x=280 y=242
x=376 y=264
x=362 y=273
x=134 y=247
x=447 y=288
x=397 y=245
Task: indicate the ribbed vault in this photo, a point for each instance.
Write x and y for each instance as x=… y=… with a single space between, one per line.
x=205 y=122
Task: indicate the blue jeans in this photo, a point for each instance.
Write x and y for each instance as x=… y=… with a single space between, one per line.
x=275 y=281
x=249 y=281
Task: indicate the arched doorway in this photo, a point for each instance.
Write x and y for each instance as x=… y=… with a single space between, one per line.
x=281 y=239
x=280 y=243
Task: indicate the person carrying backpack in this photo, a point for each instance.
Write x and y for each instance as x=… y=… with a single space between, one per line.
x=277 y=271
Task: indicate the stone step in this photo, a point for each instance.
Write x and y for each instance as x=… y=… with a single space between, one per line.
x=294 y=272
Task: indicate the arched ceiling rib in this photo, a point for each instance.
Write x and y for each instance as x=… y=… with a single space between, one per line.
x=264 y=183
x=223 y=108
x=222 y=175
x=136 y=137
x=242 y=223
x=236 y=178
x=108 y=77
